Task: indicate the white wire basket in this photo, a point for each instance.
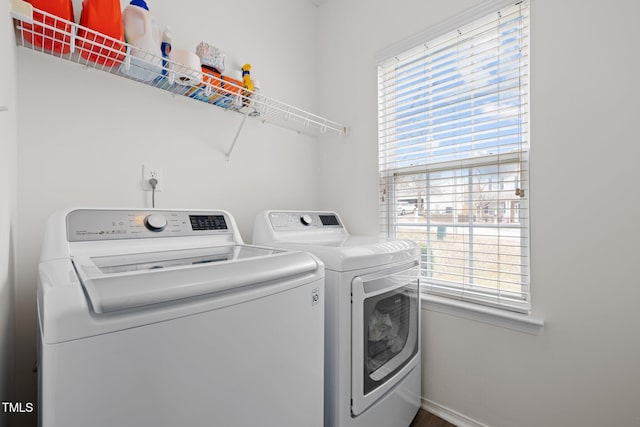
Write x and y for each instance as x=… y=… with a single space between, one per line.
x=43 y=32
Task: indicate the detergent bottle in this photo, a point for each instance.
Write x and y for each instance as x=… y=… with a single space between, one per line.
x=142 y=32
x=55 y=35
x=101 y=17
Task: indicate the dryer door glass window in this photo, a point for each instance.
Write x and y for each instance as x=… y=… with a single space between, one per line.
x=390 y=331
x=385 y=332
x=387 y=329
x=389 y=325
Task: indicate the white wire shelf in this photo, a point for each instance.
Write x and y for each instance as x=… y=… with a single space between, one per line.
x=43 y=32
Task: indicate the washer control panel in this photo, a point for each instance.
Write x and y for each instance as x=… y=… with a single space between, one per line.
x=290 y=221
x=90 y=224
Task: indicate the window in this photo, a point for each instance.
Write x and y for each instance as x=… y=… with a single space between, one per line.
x=454 y=145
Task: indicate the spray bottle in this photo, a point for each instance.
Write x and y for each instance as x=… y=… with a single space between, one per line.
x=247 y=84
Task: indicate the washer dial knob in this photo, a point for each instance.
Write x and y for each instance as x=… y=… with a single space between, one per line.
x=306 y=220
x=155 y=222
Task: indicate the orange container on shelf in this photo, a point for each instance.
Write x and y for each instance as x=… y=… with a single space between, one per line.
x=101 y=17
x=224 y=89
x=57 y=36
x=223 y=84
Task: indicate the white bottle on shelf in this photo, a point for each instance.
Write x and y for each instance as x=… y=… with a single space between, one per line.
x=141 y=30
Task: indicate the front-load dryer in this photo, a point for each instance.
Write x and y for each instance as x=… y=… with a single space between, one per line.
x=372 y=320
x=165 y=318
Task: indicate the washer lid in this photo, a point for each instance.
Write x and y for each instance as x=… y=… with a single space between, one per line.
x=119 y=282
x=356 y=252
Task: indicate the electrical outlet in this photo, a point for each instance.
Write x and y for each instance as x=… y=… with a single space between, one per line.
x=149 y=172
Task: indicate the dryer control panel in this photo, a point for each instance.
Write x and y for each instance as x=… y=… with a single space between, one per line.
x=296 y=221
x=98 y=224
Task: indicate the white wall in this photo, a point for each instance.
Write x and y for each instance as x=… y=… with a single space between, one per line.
x=585 y=99
x=84 y=135
x=7 y=204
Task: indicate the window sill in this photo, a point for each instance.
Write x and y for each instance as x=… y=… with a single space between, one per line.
x=493 y=316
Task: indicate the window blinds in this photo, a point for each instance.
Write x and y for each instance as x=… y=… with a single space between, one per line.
x=453 y=157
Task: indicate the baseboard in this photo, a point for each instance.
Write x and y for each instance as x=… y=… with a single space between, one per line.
x=450 y=415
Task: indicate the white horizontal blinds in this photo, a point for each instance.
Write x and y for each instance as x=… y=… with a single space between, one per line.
x=453 y=144
x=441 y=100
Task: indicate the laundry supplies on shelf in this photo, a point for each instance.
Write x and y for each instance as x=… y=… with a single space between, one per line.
x=143 y=62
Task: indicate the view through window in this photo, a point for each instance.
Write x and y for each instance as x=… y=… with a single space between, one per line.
x=454 y=151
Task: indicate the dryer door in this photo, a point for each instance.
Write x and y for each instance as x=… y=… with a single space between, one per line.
x=385 y=332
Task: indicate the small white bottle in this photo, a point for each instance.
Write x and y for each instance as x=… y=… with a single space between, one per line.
x=165 y=47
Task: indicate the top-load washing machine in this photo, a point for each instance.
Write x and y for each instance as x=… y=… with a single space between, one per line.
x=158 y=318
x=372 y=321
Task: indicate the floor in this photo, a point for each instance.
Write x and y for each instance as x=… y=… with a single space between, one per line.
x=427 y=419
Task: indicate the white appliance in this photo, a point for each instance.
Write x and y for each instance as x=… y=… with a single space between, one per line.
x=157 y=318
x=372 y=321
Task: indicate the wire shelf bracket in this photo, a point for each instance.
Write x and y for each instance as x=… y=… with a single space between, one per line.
x=235 y=138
